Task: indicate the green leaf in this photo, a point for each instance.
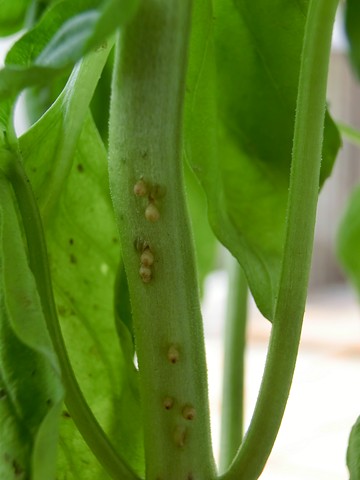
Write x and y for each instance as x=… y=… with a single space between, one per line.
x=66 y=32
x=12 y=16
x=70 y=180
x=31 y=391
x=56 y=134
x=352 y=21
x=353 y=452
x=84 y=254
x=239 y=125
x=348 y=240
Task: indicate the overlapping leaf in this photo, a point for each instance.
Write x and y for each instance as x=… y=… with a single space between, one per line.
x=66 y=32
x=239 y=127
x=30 y=391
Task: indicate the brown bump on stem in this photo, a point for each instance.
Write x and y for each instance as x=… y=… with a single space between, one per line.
x=189 y=412
x=147 y=258
x=152 y=213
x=173 y=354
x=168 y=403
x=145 y=274
x=140 y=189
x=180 y=436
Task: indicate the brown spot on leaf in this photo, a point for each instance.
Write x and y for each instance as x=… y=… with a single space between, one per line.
x=18 y=470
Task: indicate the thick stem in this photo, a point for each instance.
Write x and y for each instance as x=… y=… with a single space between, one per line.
x=303 y=193
x=234 y=359
x=147 y=188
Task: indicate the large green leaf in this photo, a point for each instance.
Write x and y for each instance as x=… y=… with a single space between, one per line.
x=240 y=111
x=353 y=452
x=65 y=33
x=30 y=391
x=84 y=254
x=352 y=22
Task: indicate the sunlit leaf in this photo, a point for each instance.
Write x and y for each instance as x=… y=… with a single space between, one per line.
x=84 y=254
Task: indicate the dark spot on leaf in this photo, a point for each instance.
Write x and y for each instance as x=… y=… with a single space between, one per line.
x=33 y=170
x=61 y=310
x=80 y=167
x=33 y=373
x=18 y=470
x=71 y=241
x=95 y=307
x=49 y=402
x=72 y=258
x=190 y=476
x=115 y=240
x=2 y=393
x=66 y=414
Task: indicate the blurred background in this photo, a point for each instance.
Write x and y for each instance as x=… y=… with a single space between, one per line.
x=325 y=399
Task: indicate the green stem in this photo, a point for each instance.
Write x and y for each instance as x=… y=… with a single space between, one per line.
x=350 y=133
x=234 y=359
x=146 y=152
x=303 y=193
x=74 y=399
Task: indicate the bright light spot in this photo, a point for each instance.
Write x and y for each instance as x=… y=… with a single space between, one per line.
x=104 y=268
